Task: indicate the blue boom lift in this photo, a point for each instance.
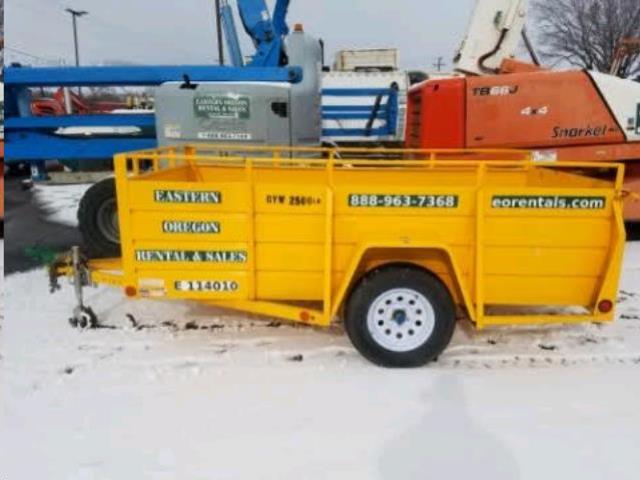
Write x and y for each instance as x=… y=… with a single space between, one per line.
x=31 y=139
x=35 y=139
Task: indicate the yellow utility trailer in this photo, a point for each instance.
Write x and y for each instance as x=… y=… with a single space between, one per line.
x=393 y=241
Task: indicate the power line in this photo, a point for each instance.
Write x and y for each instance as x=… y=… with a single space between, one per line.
x=106 y=24
x=96 y=22
x=43 y=9
x=36 y=38
x=37 y=58
x=45 y=34
x=27 y=54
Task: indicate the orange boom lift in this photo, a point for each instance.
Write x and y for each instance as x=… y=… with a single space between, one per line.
x=503 y=103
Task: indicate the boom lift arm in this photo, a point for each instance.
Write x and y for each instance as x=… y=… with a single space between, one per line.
x=492 y=37
x=625 y=53
x=266 y=31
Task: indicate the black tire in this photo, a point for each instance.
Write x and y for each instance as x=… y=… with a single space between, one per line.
x=98 y=222
x=633 y=231
x=379 y=284
x=85 y=319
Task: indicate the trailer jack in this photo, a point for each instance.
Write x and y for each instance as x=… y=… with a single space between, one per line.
x=74 y=266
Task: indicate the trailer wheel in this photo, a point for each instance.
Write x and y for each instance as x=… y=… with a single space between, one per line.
x=98 y=220
x=84 y=318
x=400 y=316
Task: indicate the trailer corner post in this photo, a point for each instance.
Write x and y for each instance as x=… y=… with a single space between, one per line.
x=479 y=263
x=124 y=215
x=251 y=224
x=328 y=255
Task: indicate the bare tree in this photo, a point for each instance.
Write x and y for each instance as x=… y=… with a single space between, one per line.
x=587 y=33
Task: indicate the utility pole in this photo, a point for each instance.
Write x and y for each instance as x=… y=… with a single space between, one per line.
x=439 y=64
x=219 y=32
x=74 y=15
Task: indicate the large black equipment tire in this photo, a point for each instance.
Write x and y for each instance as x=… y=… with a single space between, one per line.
x=633 y=230
x=98 y=220
x=400 y=316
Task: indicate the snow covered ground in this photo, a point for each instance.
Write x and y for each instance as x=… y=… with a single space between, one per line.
x=179 y=391
x=60 y=202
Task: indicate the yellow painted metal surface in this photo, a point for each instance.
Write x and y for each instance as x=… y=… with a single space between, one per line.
x=267 y=230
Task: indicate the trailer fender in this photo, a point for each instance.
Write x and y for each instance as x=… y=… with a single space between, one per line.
x=367 y=252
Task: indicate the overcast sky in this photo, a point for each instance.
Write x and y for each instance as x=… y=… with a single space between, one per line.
x=182 y=31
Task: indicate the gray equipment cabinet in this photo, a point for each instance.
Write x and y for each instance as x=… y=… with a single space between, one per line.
x=251 y=113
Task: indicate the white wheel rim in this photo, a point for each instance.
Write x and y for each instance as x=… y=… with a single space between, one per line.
x=401 y=320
